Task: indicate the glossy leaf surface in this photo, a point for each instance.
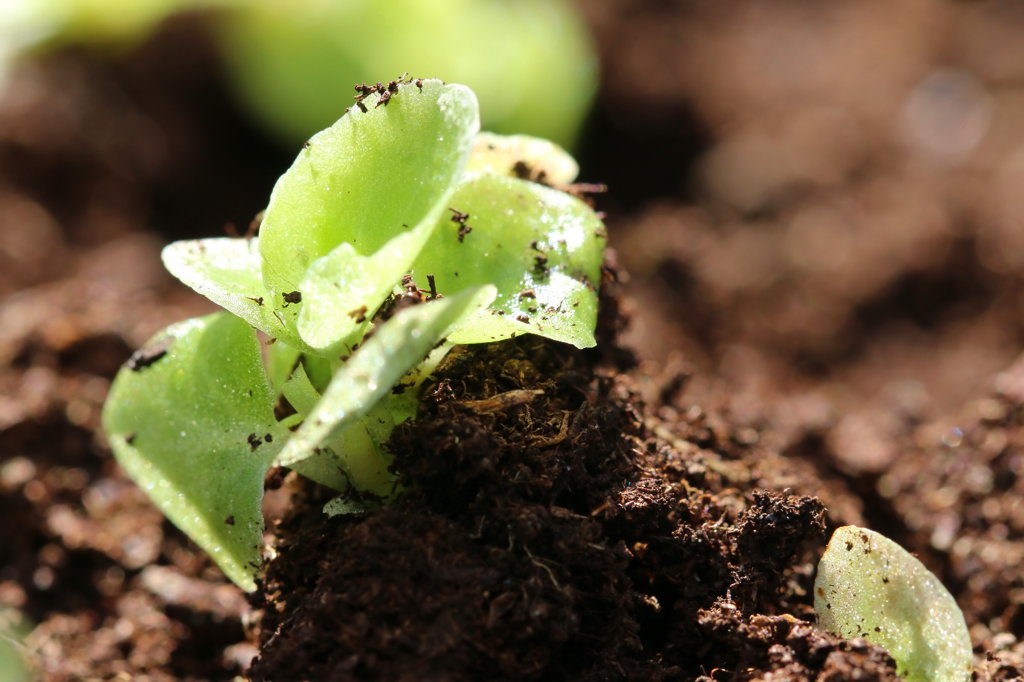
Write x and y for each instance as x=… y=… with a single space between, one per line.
x=191 y=419
x=226 y=271
x=540 y=247
x=366 y=179
x=868 y=586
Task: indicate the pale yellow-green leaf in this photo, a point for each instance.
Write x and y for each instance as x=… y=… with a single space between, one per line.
x=512 y=155
x=868 y=586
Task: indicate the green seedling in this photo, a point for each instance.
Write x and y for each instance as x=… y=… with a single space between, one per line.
x=398 y=232
x=868 y=586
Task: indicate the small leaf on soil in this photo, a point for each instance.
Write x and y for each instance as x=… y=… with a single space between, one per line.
x=868 y=586
x=342 y=505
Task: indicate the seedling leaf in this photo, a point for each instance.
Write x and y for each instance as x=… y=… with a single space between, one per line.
x=540 y=247
x=357 y=284
x=367 y=178
x=382 y=194
x=192 y=405
x=396 y=347
x=226 y=271
x=300 y=392
x=521 y=156
x=868 y=586
x=280 y=358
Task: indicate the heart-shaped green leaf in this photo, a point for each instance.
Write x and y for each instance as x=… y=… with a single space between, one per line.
x=191 y=419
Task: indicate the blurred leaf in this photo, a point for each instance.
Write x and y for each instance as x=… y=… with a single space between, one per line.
x=531 y=62
x=14 y=655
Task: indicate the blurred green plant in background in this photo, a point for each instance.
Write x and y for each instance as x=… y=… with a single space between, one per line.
x=292 y=63
x=13 y=628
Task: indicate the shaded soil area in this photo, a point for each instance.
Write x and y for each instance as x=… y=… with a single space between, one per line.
x=811 y=317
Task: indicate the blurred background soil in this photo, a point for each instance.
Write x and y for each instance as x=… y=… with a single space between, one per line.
x=817 y=208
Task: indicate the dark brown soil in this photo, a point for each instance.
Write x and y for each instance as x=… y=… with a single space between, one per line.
x=558 y=539
x=811 y=318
